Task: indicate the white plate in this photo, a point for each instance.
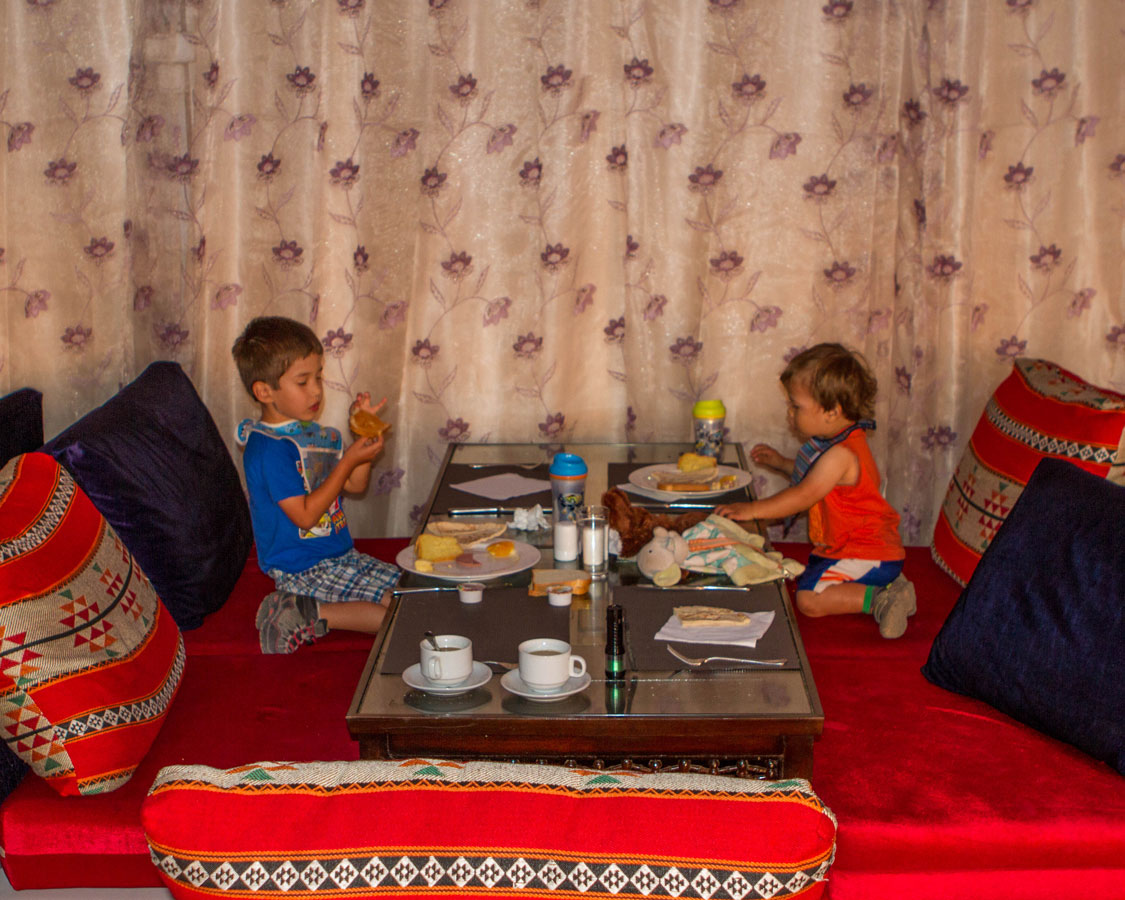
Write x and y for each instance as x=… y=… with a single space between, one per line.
x=479 y=678
x=490 y=567
x=646 y=478
x=512 y=682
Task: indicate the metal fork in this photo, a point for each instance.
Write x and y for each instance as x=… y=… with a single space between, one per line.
x=507 y=666
x=699 y=661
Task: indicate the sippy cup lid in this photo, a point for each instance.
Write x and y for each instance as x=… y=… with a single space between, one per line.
x=709 y=409
x=568 y=465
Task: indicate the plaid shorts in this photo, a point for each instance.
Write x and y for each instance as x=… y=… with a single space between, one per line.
x=339 y=579
x=823 y=572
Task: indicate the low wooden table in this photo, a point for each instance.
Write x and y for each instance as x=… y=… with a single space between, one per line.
x=755 y=722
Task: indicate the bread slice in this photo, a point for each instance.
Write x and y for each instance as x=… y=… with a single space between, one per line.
x=365 y=424
x=435 y=548
x=541 y=579
x=710 y=617
x=693 y=462
x=467 y=534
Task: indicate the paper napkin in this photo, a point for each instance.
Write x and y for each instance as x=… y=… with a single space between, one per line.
x=503 y=486
x=741 y=636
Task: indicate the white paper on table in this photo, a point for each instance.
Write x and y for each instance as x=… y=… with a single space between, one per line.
x=741 y=636
x=503 y=486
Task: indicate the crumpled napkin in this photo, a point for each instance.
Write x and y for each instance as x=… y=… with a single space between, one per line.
x=741 y=636
x=529 y=519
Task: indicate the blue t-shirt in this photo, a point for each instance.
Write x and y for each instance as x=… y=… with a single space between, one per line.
x=283 y=461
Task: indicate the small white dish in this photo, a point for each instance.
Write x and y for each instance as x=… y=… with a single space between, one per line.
x=479 y=677
x=513 y=683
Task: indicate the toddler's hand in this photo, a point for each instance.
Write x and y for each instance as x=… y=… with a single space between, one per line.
x=363 y=401
x=739 y=512
x=765 y=455
x=364 y=450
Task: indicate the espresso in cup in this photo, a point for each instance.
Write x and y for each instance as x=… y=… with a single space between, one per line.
x=451 y=662
x=546 y=664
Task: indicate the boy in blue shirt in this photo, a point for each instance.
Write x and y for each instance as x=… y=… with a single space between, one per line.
x=295 y=470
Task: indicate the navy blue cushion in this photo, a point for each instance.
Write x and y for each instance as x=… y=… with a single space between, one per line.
x=153 y=463
x=1039 y=632
x=21 y=423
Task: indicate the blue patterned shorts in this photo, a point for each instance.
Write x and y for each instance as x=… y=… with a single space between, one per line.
x=339 y=579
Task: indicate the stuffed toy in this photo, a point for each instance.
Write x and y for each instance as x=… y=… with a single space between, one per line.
x=635 y=525
x=660 y=559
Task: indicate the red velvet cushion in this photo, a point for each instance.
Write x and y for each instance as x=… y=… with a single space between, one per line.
x=1039 y=410
x=427 y=828
x=89 y=658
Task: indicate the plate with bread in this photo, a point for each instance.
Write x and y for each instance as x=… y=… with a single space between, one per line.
x=466 y=551
x=692 y=475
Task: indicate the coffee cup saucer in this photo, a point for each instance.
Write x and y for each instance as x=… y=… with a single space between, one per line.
x=479 y=677
x=514 y=684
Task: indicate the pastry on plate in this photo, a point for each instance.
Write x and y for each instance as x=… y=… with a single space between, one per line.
x=710 y=617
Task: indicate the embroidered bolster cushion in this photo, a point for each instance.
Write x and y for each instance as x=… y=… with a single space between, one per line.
x=427 y=828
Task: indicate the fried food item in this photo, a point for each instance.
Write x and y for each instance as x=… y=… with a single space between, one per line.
x=367 y=424
x=709 y=617
x=433 y=548
x=542 y=579
x=693 y=462
x=501 y=549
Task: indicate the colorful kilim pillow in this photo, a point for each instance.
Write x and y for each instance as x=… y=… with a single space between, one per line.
x=1039 y=410
x=427 y=828
x=89 y=657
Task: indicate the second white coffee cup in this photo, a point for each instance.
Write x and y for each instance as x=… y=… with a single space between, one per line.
x=451 y=662
x=546 y=664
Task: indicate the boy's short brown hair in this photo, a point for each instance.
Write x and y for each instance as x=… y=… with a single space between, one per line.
x=833 y=375
x=268 y=346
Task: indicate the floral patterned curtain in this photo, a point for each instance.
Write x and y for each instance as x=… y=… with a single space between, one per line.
x=550 y=220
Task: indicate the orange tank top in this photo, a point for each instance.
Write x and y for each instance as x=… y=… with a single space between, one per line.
x=855 y=521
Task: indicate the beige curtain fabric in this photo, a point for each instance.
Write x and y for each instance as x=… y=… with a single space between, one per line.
x=566 y=219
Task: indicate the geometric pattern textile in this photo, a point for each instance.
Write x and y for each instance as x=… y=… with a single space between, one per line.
x=1040 y=410
x=89 y=657
x=428 y=828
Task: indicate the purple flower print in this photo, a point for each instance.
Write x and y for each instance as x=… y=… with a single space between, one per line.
x=686 y=350
x=368 y=86
x=557 y=79
x=749 y=88
x=465 y=88
x=387 y=481
x=142 y=298
x=1047 y=258
x=722 y=6
x=432 y=181
x=615 y=331
x=1048 y=83
x=583 y=297
x=226 y=295
x=200 y=250
x=337 y=343
x=554 y=257
x=837 y=10
x=423 y=353
x=360 y=259
x=1117 y=167
x=268 y=166
x=920 y=212
x=404 y=142
x=393 y=314
x=527 y=346
x=1116 y=337
x=1018 y=175
x=630 y=419
x=951 y=91
x=840 y=273
x=38 y=5
x=589 y=124
x=19 y=135
x=944 y=267
x=704 y=178
x=211 y=76
x=618 y=159
x=669 y=134
x=631 y=247
x=857 y=95
x=792 y=353
x=531 y=173
x=99 y=249
x=913 y=113
x=765 y=318
x=314 y=311
x=457 y=266
x=58 y=171
x=287 y=254
x=496 y=310
x=984 y=146
x=976 y=318
x=903 y=379
x=1080 y=302
x=2 y=252
x=350 y=7
x=301 y=79
x=455 y=430
x=181 y=168
x=552 y=426
x=170 y=335
x=1086 y=128
x=654 y=309
x=887 y=149
x=784 y=145
x=85 y=80
x=637 y=71
x=437 y=7
x=939 y=438
x=344 y=173
x=76 y=338
x=878 y=320
x=1020 y=6
x=36 y=303
x=1009 y=348
x=500 y=138
x=819 y=187
x=239 y=127
x=726 y=265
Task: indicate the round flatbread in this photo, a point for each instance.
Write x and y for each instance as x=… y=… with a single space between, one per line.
x=468 y=534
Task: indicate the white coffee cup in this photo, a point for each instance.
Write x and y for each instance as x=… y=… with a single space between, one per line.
x=451 y=662
x=546 y=664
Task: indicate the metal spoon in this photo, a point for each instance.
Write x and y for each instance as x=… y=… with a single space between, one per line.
x=429 y=636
